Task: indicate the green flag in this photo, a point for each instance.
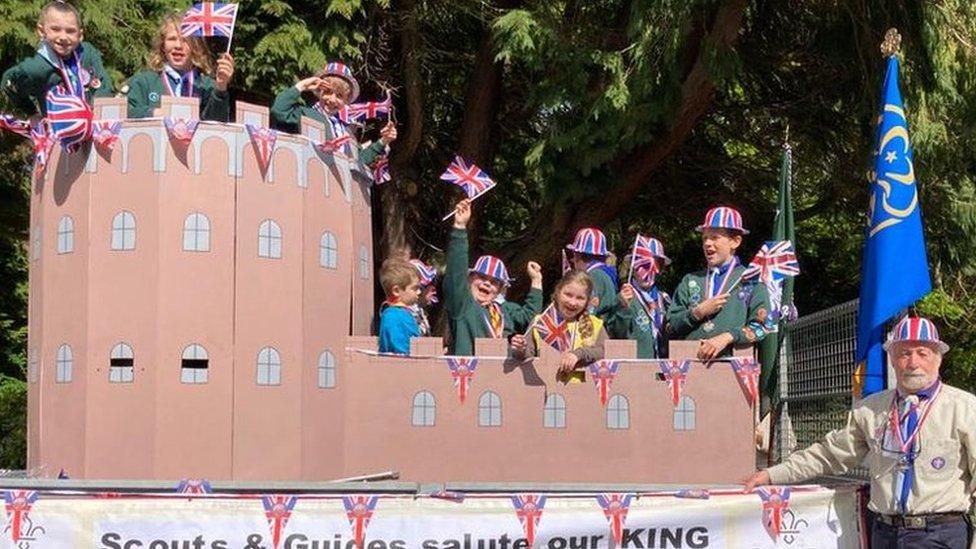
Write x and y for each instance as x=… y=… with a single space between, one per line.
x=783 y=229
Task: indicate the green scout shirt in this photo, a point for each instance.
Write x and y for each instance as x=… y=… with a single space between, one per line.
x=466 y=318
x=745 y=315
x=632 y=322
x=26 y=84
x=146 y=89
x=288 y=110
x=604 y=290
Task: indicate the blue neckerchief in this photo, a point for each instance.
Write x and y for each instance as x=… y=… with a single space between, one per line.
x=718 y=275
x=179 y=82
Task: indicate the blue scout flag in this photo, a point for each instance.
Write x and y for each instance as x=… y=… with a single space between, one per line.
x=895 y=270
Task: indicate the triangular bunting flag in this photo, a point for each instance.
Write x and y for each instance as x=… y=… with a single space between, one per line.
x=381 y=171
x=747 y=371
x=15 y=125
x=194 y=486
x=278 y=509
x=180 y=130
x=18 y=504
x=359 y=511
x=263 y=140
x=332 y=145
x=615 y=507
x=462 y=371
x=774 y=502
x=105 y=133
x=43 y=143
x=528 y=509
x=603 y=372
x=676 y=373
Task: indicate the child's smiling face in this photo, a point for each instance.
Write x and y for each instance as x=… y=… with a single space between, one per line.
x=572 y=300
x=719 y=245
x=176 y=49
x=61 y=30
x=484 y=289
x=333 y=94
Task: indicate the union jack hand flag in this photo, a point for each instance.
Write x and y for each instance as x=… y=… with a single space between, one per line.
x=615 y=507
x=774 y=502
x=469 y=177
x=15 y=125
x=263 y=140
x=747 y=372
x=359 y=511
x=643 y=253
x=17 y=504
x=43 y=143
x=775 y=260
x=462 y=371
x=209 y=19
x=277 y=509
x=105 y=133
x=381 y=171
x=553 y=329
x=528 y=509
x=603 y=372
x=69 y=117
x=180 y=130
x=359 y=112
x=676 y=373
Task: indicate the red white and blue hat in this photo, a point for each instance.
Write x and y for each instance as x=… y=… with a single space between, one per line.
x=723 y=217
x=336 y=68
x=589 y=241
x=657 y=249
x=918 y=329
x=493 y=267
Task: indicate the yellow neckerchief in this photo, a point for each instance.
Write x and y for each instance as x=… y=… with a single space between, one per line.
x=493 y=317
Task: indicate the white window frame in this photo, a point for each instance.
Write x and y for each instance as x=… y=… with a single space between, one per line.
x=196 y=233
x=618 y=412
x=269 y=239
x=424 y=410
x=489 y=409
x=66 y=235
x=194 y=376
x=121 y=374
x=63 y=364
x=684 y=414
x=554 y=412
x=328 y=251
x=268 y=367
x=326 y=370
x=124 y=231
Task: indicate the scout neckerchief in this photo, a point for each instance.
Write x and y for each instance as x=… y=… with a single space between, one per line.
x=714 y=274
x=178 y=84
x=421 y=317
x=75 y=76
x=494 y=319
x=907 y=438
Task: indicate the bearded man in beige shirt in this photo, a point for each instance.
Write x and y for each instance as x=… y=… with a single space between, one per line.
x=918 y=442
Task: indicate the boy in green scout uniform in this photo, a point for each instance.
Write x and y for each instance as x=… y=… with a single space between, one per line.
x=640 y=310
x=590 y=251
x=470 y=296
x=181 y=66
x=62 y=59
x=335 y=87
x=715 y=305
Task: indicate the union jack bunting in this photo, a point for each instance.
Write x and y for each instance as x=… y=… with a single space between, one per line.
x=15 y=125
x=209 y=19
x=676 y=373
x=105 y=133
x=43 y=143
x=194 y=486
x=615 y=507
x=180 y=130
x=263 y=140
x=278 y=509
x=381 y=171
x=747 y=372
x=553 y=329
x=359 y=510
x=332 y=145
x=775 y=260
x=774 y=502
x=359 y=112
x=528 y=509
x=69 y=117
x=469 y=177
x=462 y=372
x=603 y=372
x=18 y=504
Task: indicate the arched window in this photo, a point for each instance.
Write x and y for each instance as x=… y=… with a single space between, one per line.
x=618 y=412
x=269 y=367
x=684 y=414
x=489 y=410
x=328 y=251
x=124 y=231
x=64 y=364
x=269 y=239
x=363 y=262
x=195 y=365
x=327 y=370
x=121 y=366
x=554 y=412
x=424 y=409
x=66 y=235
x=196 y=233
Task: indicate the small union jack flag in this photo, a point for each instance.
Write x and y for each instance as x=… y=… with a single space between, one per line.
x=603 y=372
x=263 y=140
x=278 y=509
x=381 y=171
x=528 y=509
x=553 y=329
x=105 y=133
x=180 y=130
x=15 y=125
x=462 y=372
x=209 y=19
x=359 y=511
x=359 y=112
x=43 y=143
x=17 y=504
x=747 y=372
x=69 y=117
x=332 y=145
x=774 y=261
x=469 y=177
x=615 y=507
x=194 y=486
x=774 y=502
x=676 y=373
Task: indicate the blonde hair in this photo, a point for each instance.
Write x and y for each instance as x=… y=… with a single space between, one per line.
x=199 y=54
x=60 y=6
x=341 y=85
x=396 y=272
x=575 y=276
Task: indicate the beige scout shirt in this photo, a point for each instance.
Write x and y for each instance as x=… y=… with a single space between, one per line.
x=944 y=468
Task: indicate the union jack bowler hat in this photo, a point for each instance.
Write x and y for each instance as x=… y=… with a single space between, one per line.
x=723 y=217
x=589 y=241
x=657 y=249
x=491 y=266
x=336 y=68
x=918 y=329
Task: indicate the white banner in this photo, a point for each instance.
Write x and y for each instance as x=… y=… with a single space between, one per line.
x=807 y=517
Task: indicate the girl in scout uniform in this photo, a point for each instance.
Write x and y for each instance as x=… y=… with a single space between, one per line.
x=428 y=295
x=639 y=314
x=472 y=296
x=571 y=299
x=62 y=59
x=181 y=66
x=589 y=250
x=715 y=305
x=334 y=87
